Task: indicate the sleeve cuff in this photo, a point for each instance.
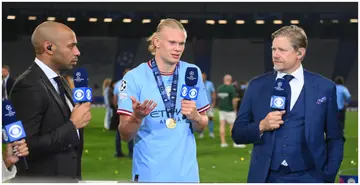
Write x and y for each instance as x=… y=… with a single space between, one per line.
x=123 y=112
x=203 y=109
x=11 y=169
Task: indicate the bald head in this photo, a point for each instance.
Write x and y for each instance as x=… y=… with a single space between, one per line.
x=48 y=31
x=227 y=79
x=55 y=45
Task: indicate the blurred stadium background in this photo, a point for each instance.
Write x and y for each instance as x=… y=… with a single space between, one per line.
x=223 y=38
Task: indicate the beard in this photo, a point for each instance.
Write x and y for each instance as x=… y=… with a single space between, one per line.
x=276 y=68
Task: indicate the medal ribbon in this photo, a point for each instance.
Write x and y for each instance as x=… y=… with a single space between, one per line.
x=169 y=103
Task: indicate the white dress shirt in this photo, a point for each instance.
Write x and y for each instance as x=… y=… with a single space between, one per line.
x=51 y=75
x=296 y=85
x=4 y=84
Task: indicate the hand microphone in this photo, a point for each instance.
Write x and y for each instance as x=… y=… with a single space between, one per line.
x=188 y=90
x=278 y=99
x=81 y=92
x=13 y=129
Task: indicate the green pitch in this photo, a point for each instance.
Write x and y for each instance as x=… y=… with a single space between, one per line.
x=216 y=164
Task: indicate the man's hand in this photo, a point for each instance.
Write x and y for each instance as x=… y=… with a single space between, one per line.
x=142 y=110
x=129 y=125
x=272 y=121
x=81 y=115
x=13 y=151
x=188 y=108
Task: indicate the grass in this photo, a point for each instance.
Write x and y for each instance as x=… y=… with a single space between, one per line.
x=216 y=164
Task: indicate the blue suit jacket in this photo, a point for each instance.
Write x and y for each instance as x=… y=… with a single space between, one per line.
x=320 y=118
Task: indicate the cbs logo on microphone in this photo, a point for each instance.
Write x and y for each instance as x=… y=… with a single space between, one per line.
x=13 y=132
x=189 y=93
x=277 y=102
x=83 y=94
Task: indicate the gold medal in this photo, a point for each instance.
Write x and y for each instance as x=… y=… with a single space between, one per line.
x=170 y=123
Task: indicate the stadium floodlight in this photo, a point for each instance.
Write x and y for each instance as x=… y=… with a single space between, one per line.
x=240 y=22
x=71 y=19
x=145 y=21
x=108 y=20
x=277 y=21
x=11 y=17
x=222 y=21
x=260 y=22
x=212 y=22
x=127 y=20
x=184 y=21
x=294 y=22
x=51 y=18
x=92 y=19
x=32 y=18
x=353 y=20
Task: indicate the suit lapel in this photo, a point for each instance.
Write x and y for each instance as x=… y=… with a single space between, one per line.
x=266 y=92
x=56 y=96
x=311 y=95
x=44 y=79
x=69 y=95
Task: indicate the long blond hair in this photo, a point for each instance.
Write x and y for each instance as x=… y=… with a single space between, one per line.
x=106 y=83
x=170 y=23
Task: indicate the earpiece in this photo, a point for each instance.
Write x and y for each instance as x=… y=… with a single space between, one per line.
x=299 y=53
x=49 y=47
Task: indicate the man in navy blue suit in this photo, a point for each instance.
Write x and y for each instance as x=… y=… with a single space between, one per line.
x=302 y=143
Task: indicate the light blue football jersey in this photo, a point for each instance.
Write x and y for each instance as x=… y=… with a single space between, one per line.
x=209 y=86
x=117 y=88
x=161 y=154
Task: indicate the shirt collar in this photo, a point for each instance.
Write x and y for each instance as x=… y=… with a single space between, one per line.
x=298 y=74
x=47 y=70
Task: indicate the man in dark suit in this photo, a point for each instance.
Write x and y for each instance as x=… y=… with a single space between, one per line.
x=7 y=81
x=43 y=101
x=302 y=143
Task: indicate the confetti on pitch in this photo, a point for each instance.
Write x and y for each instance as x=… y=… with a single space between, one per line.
x=100 y=158
x=213 y=166
x=242 y=159
x=116 y=172
x=235 y=162
x=86 y=151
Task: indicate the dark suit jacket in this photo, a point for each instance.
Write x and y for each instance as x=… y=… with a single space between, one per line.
x=10 y=82
x=54 y=146
x=320 y=118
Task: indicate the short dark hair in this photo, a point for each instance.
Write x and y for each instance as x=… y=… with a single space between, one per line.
x=339 y=80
